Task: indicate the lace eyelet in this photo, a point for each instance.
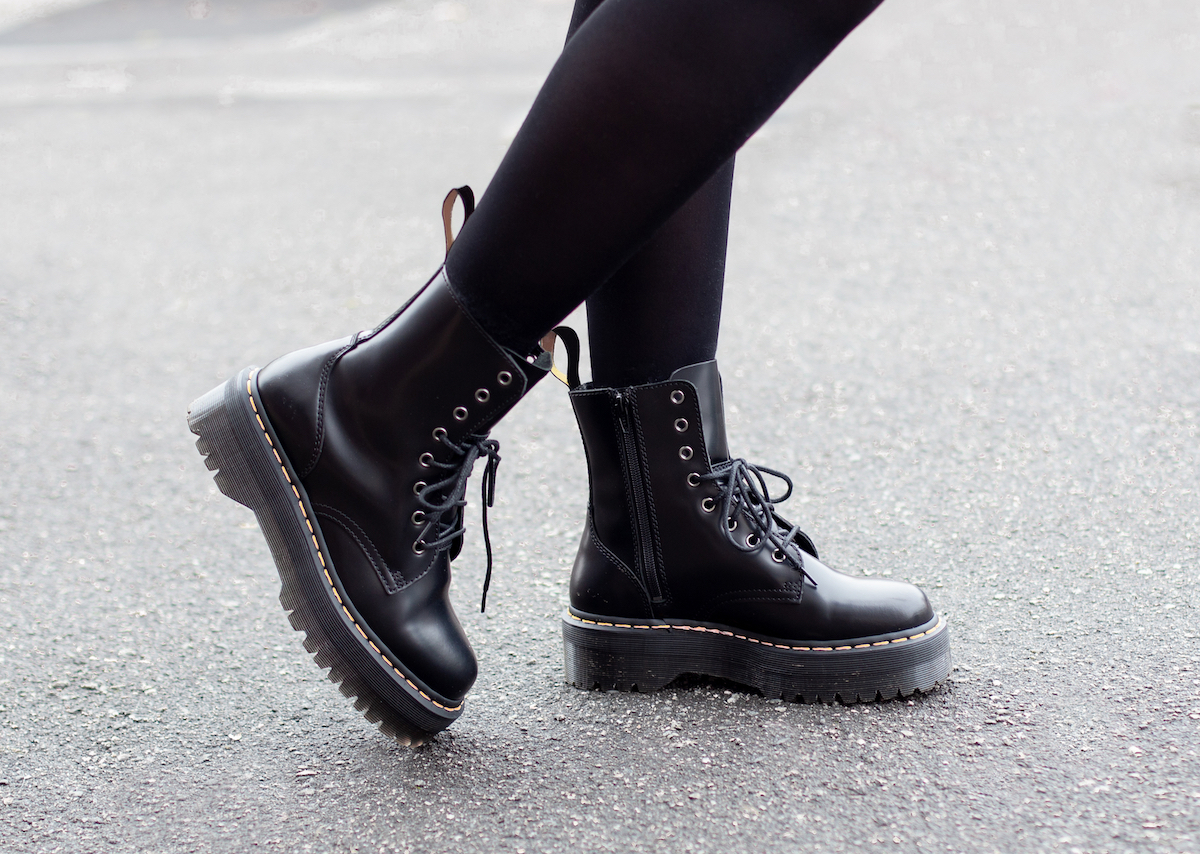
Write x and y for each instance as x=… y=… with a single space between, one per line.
x=731 y=524
x=460 y=413
x=752 y=540
x=685 y=453
x=426 y=459
x=418 y=486
x=482 y=395
x=680 y=425
x=777 y=556
x=439 y=433
x=693 y=479
x=677 y=397
x=708 y=505
x=418 y=548
x=504 y=378
x=418 y=517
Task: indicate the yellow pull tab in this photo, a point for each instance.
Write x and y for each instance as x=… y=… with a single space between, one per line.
x=570 y=340
x=468 y=199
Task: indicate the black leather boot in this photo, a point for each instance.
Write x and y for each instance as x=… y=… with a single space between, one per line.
x=686 y=567
x=354 y=455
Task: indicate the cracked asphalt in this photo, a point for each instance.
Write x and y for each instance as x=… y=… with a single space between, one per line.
x=962 y=312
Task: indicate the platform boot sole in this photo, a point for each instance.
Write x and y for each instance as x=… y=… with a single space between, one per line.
x=240 y=446
x=647 y=655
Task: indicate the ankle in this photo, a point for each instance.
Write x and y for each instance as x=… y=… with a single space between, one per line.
x=495 y=318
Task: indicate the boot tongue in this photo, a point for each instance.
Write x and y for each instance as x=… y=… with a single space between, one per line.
x=707 y=380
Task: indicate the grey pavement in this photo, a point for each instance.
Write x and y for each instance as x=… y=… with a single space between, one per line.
x=962 y=312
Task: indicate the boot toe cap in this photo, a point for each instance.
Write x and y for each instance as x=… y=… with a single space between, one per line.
x=846 y=606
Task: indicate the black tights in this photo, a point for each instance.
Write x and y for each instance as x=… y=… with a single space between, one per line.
x=616 y=189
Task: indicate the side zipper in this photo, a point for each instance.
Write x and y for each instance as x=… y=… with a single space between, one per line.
x=643 y=541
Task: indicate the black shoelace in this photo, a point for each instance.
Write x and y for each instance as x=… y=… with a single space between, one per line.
x=445 y=519
x=744 y=491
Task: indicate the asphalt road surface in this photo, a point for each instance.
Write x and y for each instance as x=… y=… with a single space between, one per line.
x=962 y=311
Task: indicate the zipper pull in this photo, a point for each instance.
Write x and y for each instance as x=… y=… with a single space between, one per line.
x=621 y=408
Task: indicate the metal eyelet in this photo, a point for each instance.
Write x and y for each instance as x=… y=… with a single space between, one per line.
x=482 y=395
x=460 y=413
x=419 y=547
x=418 y=517
x=418 y=486
x=680 y=425
x=752 y=540
x=693 y=479
x=731 y=524
x=677 y=396
x=504 y=378
x=426 y=459
x=439 y=433
x=777 y=556
x=708 y=505
x=685 y=453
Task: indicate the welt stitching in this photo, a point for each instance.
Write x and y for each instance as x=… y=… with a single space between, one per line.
x=324 y=565
x=708 y=630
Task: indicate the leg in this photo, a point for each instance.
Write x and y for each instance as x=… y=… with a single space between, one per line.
x=355 y=454
x=662 y=309
x=647 y=101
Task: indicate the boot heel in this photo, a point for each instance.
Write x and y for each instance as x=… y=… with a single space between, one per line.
x=613 y=659
x=211 y=418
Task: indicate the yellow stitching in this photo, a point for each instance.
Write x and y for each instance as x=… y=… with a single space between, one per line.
x=940 y=624
x=304 y=513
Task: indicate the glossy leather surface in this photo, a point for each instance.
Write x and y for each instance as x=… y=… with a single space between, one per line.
x=706 y=578
x=355 y=417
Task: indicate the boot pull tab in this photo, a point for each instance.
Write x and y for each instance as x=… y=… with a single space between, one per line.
x=570 y=340
x=468 y=199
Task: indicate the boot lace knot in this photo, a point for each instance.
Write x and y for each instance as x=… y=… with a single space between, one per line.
x=744 y=492
x=444 y=519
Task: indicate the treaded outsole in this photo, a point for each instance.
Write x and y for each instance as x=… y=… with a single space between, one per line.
x=637 y=657
x=244 y=469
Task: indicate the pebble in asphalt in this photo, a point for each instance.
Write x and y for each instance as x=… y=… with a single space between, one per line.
x=962 y=312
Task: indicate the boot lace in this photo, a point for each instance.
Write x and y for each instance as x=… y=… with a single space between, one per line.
x=744 y=490
x=444 y=519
